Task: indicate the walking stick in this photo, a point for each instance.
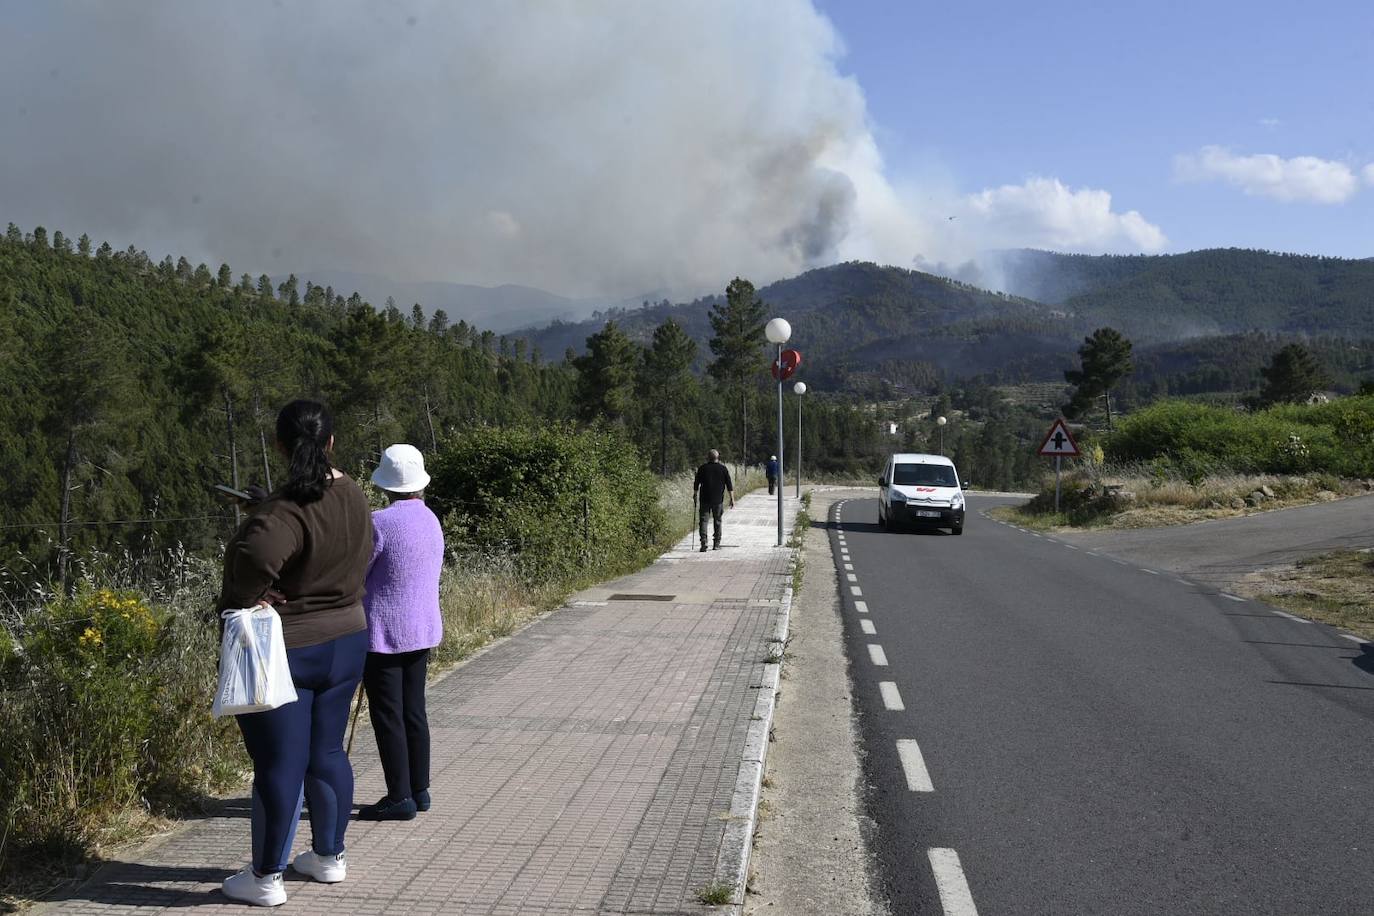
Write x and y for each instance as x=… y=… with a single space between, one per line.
x=695 y=518
x=357 y=709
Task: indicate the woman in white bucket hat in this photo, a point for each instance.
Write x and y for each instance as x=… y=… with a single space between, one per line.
x=403 y=624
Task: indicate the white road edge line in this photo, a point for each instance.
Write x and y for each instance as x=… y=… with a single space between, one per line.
x=1291 y=616
x=877 y=655
x=1359 y=639
x=1150 y=571
x=955 y=897
x=867 y=626
x=861 y=607
x=914 y=766
x=855 y=591
x=851 y=577
x=892 y=699
x=1070 y=546
x=1230 y=597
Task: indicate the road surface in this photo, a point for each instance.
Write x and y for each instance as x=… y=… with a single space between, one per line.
x=1051 y=730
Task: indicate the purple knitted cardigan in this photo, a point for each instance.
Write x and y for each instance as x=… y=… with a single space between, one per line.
x=402 y=600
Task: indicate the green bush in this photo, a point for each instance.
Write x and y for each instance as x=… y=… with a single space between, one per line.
x=104 y=709
x=1195 y=439
x=566 y=503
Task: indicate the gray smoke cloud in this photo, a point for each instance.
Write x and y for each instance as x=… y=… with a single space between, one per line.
x=587 y=147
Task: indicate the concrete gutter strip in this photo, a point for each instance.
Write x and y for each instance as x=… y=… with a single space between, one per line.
x=732 y=865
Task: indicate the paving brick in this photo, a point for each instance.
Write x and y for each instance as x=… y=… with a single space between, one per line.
x=585 y=765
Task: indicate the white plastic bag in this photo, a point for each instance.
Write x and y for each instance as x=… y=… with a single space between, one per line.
x=254 y=674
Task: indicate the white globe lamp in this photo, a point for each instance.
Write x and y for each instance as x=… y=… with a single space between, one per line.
x=778 y=331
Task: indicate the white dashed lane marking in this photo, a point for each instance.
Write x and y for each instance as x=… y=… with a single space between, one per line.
x=861 y=607
x=867 y=626
x=955 y=897
x=855 y=591
x=877 y=655
x=914 y=766
x=851 y=577
x=1231 y=597
x=892 y=699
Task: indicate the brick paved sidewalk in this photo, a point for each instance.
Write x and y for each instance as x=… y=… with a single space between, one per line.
x=603 y=760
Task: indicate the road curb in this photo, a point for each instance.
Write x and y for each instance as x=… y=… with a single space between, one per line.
x=732 y=862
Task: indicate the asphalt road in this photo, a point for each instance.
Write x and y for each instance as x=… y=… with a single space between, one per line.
x=1221 y=551
x=1060 y=732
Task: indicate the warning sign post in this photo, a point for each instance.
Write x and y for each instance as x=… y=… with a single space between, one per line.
x=1059 y=444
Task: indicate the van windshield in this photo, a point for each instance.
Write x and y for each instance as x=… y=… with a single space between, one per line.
x=924 y=475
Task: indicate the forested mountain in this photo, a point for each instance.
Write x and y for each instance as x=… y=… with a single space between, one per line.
x=1216 y=291
x=881 y=330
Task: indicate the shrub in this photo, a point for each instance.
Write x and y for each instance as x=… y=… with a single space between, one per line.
x=1196 y=440
x=104 y=709
x=566 y=503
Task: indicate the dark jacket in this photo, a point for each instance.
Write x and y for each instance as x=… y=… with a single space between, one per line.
x=772 y=470
x=316 y=555
x=713 y=479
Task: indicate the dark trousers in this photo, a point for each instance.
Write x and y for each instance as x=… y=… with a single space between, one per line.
x=772 y=482
x=301 y=745
x=712 y=512
x=395 y=685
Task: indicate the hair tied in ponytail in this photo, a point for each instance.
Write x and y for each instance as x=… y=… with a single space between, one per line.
x=304 y=429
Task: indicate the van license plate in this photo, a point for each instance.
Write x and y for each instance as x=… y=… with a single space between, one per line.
x=926 y=513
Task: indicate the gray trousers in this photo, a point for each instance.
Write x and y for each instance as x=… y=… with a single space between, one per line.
x=714 y=513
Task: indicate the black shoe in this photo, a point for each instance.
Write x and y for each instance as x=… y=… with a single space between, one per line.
x=388 y=810
x=703 y=548
x=714 y=547
x=422 y=800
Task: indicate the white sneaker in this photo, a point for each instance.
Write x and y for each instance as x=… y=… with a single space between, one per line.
x=247 y=887
x=326 y=869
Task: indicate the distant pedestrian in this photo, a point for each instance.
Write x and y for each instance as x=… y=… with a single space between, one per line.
x=771 y=470
x=303 y=549
x=711 y=484
x=403 y=625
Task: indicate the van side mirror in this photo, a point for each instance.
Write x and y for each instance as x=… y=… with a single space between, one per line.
x=882 y=481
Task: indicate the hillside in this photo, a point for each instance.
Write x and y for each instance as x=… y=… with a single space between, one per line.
x=1214 y=315
x=1215 y=291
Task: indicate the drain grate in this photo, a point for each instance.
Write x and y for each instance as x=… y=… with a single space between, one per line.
x=627 y=597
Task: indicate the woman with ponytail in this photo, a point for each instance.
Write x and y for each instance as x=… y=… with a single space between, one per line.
x=304 y=549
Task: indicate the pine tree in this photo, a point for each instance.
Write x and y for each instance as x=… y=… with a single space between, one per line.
x=1106 y=359
x=83 y=245
x=606 y=375
x=1291 y=377
x=738 y=347
x=667 y=379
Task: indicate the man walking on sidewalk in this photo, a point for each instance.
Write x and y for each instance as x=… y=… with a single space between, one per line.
x=771 y=471
x=711 y=484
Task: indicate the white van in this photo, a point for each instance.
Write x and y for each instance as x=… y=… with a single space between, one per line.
x=920 y=490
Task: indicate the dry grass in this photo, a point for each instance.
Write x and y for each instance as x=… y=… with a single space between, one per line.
x=1335 y=588
x=1152 y=501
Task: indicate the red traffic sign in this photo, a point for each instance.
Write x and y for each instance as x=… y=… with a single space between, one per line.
x=1059 y=442
x=791 y=359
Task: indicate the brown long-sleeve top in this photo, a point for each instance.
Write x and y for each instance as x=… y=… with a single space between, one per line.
x=316 y=555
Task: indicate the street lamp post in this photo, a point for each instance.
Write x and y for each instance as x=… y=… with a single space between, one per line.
x=777 y=331
x=940 y=424
x=800 y=389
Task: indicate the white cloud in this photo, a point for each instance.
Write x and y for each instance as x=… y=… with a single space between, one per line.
x=1270 y=123
x=1045 y=213
x=1303 y=178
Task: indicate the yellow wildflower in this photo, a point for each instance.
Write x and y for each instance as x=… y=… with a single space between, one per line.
x=91 y=637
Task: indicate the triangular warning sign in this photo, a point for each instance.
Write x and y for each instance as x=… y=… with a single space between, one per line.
x=1059 y=442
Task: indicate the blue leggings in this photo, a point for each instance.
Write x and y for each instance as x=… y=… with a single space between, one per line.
x=300 y=745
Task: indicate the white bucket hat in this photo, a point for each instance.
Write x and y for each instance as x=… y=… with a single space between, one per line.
x=402 y=470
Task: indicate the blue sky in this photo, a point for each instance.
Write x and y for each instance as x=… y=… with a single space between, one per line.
x=1106 y=94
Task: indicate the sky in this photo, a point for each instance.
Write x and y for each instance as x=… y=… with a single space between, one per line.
x=618 y=149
